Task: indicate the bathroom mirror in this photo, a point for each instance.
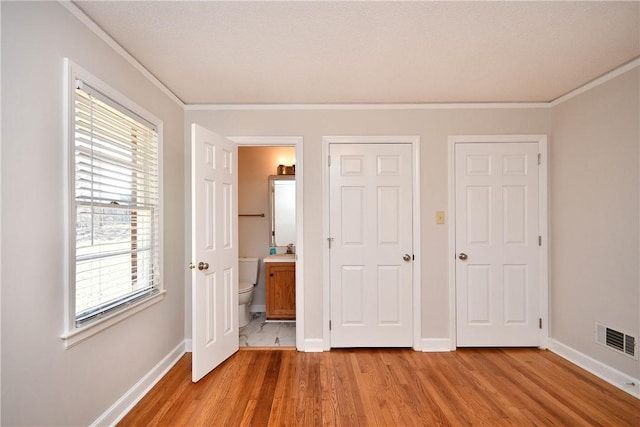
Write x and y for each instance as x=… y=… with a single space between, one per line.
x=282 y=194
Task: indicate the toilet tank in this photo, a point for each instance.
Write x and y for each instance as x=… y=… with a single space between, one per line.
x=248 y=270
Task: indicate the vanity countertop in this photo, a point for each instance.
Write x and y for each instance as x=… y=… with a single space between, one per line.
x=281 y=258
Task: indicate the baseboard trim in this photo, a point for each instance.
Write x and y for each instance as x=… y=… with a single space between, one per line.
x=611 y=375
x=188 y=346
x=122 y=406
x=313 y=345
x=257 y=308
x=435 y=344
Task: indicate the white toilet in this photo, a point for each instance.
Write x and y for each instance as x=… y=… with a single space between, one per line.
x=247 y=279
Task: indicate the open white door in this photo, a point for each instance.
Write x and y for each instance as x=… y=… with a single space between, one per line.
x=214 y=239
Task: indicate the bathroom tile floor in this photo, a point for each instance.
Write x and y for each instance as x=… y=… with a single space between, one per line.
x=260 y=333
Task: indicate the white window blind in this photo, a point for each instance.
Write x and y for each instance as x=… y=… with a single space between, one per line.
x=116 y=201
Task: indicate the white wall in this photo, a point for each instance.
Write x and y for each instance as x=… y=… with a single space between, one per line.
x=42 y=383
x=255 y=164
x=433 y=126
x=594 y=192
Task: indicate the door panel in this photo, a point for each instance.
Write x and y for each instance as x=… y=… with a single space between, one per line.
x=371 y=223
x=497 y=227
x=214 y=239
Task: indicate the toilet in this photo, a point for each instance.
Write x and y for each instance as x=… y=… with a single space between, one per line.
x=247 y=279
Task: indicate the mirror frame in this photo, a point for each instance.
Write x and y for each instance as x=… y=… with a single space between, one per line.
x=272 y=219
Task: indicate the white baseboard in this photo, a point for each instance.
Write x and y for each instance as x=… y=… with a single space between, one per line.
x=611 y=375
x=188 y=348
x=123 y=405
x=257 y=308
x=436 y=344
x=313 y=345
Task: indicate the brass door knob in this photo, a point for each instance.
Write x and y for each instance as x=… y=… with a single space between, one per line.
x=462 y=256
x=202 y=266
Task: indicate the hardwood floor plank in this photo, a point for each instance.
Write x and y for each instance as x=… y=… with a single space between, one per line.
x=379 y=387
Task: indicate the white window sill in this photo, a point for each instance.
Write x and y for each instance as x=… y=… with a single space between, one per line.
x=77 y=335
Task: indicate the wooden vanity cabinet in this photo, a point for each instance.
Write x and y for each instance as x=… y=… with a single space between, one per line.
x=281 y=290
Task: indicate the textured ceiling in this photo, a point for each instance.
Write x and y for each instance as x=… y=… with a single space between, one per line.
x=372 y=52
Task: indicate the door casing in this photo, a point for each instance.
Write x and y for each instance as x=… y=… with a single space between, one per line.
x=325 y=343
x=543 y=207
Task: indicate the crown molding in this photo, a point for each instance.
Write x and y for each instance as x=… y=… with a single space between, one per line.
x=95 y=28
x=424 y=106
x=596 y=82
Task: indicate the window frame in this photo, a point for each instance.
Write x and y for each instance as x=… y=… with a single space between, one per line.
x=74 y=333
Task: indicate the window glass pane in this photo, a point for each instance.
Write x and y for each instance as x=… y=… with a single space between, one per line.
x=116 y=207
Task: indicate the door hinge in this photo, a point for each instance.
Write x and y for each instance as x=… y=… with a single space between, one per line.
x=329 y=324
x=539 y=158
x=329 y=239
x=540 y=323
x=329 y=161
x=539 y=240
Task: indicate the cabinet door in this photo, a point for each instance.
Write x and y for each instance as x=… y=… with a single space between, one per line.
x=281 y=291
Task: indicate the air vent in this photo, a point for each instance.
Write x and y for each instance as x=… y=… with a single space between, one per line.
x=616 y=340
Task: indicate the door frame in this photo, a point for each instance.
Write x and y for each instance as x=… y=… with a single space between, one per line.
x=325 y=343
x=297 y=142
x=543 y=218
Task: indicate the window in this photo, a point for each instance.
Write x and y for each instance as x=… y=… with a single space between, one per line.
x=114 y=211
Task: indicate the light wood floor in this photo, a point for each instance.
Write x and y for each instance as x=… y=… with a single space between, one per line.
x=367 y=387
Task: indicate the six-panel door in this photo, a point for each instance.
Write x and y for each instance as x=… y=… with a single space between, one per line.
x=371 y=226
x=497 y=253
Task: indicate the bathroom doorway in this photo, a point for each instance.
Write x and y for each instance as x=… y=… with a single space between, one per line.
x=270 y=220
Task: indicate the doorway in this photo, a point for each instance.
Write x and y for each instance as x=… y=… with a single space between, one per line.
x=499 y=239
x=214 y=260
x=285 y=151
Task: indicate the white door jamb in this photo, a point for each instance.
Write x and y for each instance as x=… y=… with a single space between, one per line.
x=296 y=141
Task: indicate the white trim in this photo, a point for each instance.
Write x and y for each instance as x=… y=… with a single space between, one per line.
x=596 y=82
x=297 y=142
x=275 y=141
x=543 y=209
x=188 y=345
x=257 y=308
x=1 y=240
x=432 y=345
x=611 y=375
x=417 y=273
x=73 y=335
x=326 y=255
x=122 y=406
x=417 y=106
x=452 y=244
x=417 y=239
x=88 y=22
x=314 y=345
x=543 y=217
x=77 y=335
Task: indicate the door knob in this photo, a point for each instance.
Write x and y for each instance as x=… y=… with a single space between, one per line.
x=203 y=266
x=406 y=257
x=462 y=256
